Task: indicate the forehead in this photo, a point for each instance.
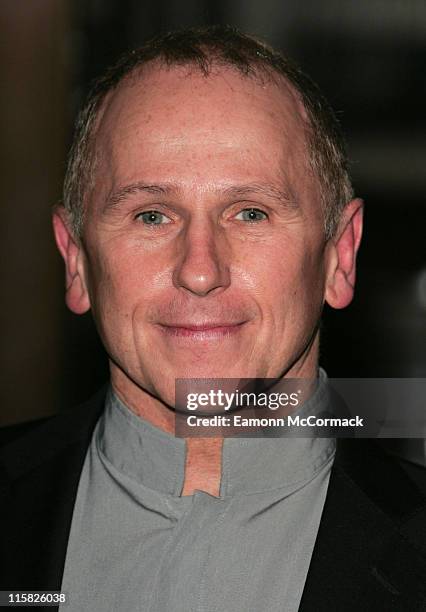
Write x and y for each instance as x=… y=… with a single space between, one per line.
x=177 y=120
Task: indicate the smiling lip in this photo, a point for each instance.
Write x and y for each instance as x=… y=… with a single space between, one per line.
x=204 y=331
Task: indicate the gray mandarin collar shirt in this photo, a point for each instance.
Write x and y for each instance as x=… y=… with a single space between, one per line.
x=136 y=544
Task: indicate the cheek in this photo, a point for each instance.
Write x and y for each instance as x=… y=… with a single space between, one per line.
x=124 y=272
x=292 y=291
x=116 y=285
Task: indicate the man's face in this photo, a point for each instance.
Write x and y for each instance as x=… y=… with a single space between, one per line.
x=203 y=251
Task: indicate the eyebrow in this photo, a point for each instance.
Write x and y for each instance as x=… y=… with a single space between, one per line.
x=275 y=193
x=121 y=194
x=286 y=198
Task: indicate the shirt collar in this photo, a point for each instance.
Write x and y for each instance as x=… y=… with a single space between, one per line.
x=156 y=459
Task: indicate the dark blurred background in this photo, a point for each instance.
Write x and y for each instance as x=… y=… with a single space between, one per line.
x=369 y=57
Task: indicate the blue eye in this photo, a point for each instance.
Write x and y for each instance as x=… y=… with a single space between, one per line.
x=153 y=217
x=252 y=215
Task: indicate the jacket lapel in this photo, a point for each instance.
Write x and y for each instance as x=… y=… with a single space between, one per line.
x=362 y=559
x=41 y=488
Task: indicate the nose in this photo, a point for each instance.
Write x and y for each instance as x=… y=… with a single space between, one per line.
x=202 y=263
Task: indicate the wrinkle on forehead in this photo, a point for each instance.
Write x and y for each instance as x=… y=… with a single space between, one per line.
x=147 y=101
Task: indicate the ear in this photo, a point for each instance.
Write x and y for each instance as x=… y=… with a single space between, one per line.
x=76 y=296
x=343 y=248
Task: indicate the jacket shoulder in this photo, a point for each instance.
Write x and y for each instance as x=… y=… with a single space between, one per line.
x=25 y=446
x=370 y=551
x=394 y=487
x=9 y=433
x=40 y=468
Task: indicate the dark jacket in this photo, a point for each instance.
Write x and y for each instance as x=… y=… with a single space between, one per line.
x=370 y=553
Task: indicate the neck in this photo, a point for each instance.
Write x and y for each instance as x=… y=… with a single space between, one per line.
x=203 y=464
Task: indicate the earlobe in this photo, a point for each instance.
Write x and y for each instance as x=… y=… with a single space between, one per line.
x=76 y=294
x=344 y=246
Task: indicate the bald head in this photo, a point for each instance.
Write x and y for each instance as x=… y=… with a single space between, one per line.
x=207 y=51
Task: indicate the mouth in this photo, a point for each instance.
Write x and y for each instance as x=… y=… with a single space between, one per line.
x=205 y=331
